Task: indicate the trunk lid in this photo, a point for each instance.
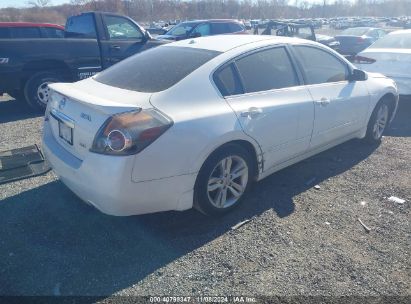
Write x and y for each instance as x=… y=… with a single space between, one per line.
x=83 y=107
x=390 y=62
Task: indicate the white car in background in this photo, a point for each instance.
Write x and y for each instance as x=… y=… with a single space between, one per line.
x=193 y=123
x=391 y=56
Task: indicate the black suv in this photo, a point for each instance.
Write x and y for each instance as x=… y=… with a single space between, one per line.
x=199 y=28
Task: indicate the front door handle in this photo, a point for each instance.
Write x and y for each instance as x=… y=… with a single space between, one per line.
x=323 y=101
x=252 y=112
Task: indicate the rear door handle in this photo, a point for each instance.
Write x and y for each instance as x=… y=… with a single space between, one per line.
x=252 y=112
x=115 y=47
x=323 y=101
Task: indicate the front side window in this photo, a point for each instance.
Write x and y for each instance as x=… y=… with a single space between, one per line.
x=235 y=27
x=267 y=70
x=155 y=69
x=120 y=28
x=320 y=66
x=202 y=29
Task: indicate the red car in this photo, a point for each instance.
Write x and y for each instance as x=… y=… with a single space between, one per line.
x=10 y=30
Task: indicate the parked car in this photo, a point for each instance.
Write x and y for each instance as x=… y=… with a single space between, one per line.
x=93 y=41
x=199 y=28
x=19 y=30
x=390 y=56
x=354 y=40
x=194 y=123
x=300 y=30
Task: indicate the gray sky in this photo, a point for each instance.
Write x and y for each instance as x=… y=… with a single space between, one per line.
x=22 y=3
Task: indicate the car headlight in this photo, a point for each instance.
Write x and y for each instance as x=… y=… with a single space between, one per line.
x=130 y=132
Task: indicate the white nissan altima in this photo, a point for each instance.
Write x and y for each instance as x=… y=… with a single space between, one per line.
x=193 y=123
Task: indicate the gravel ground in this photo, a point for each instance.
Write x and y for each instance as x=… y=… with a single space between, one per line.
x=300 y=241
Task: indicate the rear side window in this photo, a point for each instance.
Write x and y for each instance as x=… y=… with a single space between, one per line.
x=267 y=70
x=219 y=28
x=25 y=32
x=227 y=81
x=4 y=33
x=81 y=26
x=156 y=69
x=319 y=66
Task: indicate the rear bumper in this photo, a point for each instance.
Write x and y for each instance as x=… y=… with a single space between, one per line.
x=105 y=182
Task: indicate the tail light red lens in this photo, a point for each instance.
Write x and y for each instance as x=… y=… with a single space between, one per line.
x=130 y=132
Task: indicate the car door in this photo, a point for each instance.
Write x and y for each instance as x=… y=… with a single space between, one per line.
x=124 y=38
x=271 y=105
x=340 y=105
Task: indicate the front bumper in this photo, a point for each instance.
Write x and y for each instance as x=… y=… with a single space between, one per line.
x=105 y=182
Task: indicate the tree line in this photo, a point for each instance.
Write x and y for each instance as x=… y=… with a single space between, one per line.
x=154 y=10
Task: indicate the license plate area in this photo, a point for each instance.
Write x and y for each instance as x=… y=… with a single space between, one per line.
x=65 y=132
x=65 y=126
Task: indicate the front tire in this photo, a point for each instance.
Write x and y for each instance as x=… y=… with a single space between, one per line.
x=223 y=180
x=378 y=122
x=36 y=89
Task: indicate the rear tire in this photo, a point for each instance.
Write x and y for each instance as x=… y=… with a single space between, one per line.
x=36 y=89
x=223 y=180
x=378 y=122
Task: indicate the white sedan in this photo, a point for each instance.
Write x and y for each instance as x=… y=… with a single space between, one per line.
x=391 y=56
x=193 y=123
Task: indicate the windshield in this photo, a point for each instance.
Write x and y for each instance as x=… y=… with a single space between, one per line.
x=181 y=29
x=355 y=31
x=396 y=41
x=156 y=69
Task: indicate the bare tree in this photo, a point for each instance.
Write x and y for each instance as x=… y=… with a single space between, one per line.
x=40 y=3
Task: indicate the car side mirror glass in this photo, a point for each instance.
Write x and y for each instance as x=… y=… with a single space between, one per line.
x=358 y=75
x=195 y=35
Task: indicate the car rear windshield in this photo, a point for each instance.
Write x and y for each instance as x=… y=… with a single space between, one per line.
x=393 y=41
x=156 y=69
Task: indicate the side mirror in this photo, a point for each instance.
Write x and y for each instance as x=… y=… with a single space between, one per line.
x=195 y=35
x=358 y=75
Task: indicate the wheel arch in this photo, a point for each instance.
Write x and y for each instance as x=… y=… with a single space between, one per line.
x=33 y=67
x=247 y=143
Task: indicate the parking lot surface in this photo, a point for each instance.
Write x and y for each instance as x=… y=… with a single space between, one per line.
x=299 y=240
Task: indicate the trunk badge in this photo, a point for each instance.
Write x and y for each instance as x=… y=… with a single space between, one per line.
x=62 y=103
x=85 y=116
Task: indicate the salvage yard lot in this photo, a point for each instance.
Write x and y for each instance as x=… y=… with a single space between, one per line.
x=300 y=241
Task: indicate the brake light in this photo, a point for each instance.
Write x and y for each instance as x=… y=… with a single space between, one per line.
x=360 y=40
x=130 y=132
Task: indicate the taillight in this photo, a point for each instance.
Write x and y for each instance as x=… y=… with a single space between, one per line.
x=360 y=40
x=130 y=132
x=362 y=60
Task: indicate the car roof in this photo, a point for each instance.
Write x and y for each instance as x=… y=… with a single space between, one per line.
x=30 y=24
x=224 y=43
x=400 y=32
